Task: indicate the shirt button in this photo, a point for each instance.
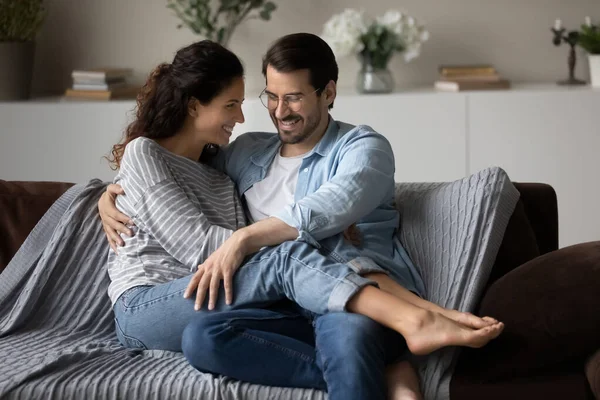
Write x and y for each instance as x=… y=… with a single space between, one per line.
x=305 y=169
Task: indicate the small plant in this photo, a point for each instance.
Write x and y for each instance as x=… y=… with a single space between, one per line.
x=20 y=20
x=219 y=24
x=589 y=38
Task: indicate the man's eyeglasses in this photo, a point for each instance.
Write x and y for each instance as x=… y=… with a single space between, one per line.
x=291 y=101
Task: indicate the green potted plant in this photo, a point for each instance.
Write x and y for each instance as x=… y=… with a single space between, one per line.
x=20 y=21
x=589 y=40
x=218 y=23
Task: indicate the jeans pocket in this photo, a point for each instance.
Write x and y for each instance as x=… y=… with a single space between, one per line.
x=127 y=296
x=128 y=341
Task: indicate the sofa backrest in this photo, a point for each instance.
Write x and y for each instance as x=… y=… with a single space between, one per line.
x=22 y=204
x=532 y=229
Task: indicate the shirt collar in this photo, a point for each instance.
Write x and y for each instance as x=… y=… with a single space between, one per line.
x=328 y=140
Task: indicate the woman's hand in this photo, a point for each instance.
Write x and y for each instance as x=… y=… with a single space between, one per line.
x=220 y=265
x=113 y=221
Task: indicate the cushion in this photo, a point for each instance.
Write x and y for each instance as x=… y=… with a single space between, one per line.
x=22 y=204
x=592 y=372
x=550 y=309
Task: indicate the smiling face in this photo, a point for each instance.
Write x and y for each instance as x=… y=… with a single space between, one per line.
x=214 y=122
x=306 y=113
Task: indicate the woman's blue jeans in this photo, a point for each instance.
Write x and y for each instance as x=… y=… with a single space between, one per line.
x=325 y=349
x=154 y=317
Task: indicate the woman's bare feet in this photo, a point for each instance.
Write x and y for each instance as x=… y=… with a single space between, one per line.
x=433 y=331
x=403 y=382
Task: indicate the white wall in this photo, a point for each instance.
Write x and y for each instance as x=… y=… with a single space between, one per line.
x=514 y=35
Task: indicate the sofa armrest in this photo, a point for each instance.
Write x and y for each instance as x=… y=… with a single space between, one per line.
x=532 y=230
x=541 y=206
x=22 y=205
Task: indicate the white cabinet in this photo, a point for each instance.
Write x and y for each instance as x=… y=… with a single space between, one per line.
x=53 y=141
x=545 y=134
x=550 y=136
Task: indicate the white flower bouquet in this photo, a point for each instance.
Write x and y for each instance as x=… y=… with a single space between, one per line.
x=374 y=40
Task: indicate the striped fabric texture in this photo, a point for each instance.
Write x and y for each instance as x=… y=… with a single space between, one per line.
x=182 y=210
x=57 y=335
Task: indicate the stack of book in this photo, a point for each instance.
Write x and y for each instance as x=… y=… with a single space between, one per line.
x=101 y=84
x=470 y=77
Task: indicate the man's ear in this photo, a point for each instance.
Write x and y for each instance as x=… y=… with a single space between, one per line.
x=193 y=107
x=330 y=92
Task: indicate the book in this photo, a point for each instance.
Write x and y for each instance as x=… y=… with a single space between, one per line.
x=472 y=78
x=98 y=86
x=98 y=81
x=103 y=74
x=459 y=70
x=459 y=86
x=125 y=92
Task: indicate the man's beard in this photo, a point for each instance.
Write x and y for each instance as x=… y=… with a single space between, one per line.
x=310 y=125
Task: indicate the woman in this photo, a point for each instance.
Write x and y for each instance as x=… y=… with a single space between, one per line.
x=184 y=210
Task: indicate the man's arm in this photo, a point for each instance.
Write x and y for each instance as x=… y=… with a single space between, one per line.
x=364 y=179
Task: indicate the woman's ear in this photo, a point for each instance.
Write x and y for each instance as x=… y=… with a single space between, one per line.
x=193 y=107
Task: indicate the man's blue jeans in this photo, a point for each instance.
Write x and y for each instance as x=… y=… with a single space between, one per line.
x=342 y=353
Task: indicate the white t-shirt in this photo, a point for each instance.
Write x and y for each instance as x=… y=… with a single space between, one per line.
x=270 y=195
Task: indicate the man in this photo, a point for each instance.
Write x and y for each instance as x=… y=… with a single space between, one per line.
x=309 y=182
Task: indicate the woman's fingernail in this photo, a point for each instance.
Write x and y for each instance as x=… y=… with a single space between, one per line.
x=196 y=307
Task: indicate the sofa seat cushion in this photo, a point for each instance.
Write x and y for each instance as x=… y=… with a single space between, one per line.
x=550 y=309
x=22 y=204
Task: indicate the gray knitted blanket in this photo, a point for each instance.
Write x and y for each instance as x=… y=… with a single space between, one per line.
x=453 y=232
x=57 y=337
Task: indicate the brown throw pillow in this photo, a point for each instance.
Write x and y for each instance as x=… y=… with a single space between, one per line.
x=550 y=307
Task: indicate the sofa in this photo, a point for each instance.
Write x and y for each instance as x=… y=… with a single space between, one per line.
x=547 y=297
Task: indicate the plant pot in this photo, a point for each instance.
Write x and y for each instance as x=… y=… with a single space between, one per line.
x=594 y=69
x=16 y=70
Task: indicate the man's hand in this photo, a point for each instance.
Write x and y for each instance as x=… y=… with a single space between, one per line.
x=220 y=265
x=113 y=221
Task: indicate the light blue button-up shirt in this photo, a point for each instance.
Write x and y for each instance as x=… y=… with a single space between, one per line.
x=348 y=178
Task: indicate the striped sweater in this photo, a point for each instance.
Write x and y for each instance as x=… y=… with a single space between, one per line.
x=182 y=210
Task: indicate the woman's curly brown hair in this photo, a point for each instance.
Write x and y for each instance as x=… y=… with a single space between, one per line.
x=199 y=71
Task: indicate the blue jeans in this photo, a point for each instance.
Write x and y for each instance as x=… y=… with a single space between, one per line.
x=342 y=353
x=154 y=317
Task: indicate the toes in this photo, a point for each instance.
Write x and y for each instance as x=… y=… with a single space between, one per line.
x=476 y=322
x=490 y=320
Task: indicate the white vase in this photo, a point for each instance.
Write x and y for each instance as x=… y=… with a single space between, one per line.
x=595 y=69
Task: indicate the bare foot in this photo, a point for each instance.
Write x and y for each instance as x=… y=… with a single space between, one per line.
x=434 y=331
x=468 y=319
x=403 y=382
